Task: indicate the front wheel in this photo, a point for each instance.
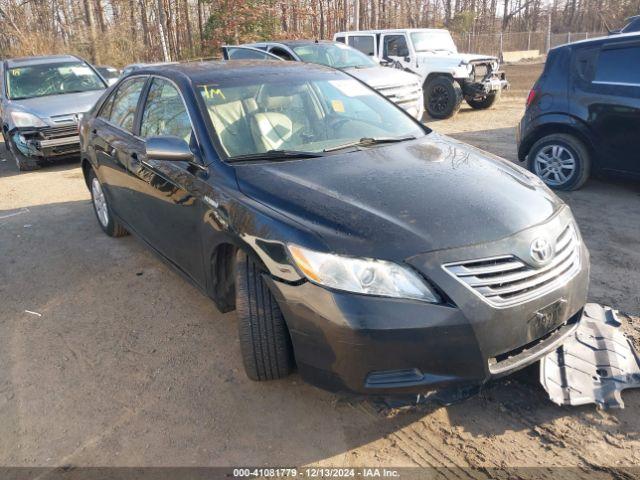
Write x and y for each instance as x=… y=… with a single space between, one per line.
x=264 y=338
x=561 y=161
x=442 y=97
x=23 y=162
x=484 y=102
x=101 y=207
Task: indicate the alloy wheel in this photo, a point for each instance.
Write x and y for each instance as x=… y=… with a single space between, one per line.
x=438 y=99
x=555 y=164
x=99 y=202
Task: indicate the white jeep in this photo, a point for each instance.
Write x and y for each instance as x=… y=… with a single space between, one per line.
x=448 y=76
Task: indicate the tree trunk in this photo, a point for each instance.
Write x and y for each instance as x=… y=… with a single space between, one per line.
x=162 y=27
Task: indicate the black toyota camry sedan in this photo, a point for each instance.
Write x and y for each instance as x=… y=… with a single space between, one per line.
x=355 y=244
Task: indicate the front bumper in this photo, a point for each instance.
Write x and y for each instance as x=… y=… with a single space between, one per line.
x=46 y=142
x=479 y=89
x=374 y=345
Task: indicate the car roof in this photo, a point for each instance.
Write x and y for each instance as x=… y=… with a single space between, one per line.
x=391 y=30
x=600 y=40
x=205 y=72
x=40 y=60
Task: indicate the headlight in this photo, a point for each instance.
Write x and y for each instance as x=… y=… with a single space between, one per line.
x=361 y=275
x=24 y=119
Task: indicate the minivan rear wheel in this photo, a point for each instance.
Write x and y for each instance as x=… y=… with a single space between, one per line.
x=561 y=161
x=265 y=344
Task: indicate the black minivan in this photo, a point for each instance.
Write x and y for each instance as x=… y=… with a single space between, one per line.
x=583 y=113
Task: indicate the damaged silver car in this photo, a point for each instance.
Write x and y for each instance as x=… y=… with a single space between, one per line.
x=41 y=101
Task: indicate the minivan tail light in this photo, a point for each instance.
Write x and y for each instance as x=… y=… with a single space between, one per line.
x=531 y=97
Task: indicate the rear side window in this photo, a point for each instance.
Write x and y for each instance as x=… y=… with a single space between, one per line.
x=364 y=43
x=585 y=63
x=619 y=65
x=123 y=111
x=340 y=39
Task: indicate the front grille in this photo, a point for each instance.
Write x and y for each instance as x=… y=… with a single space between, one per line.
x=481 y=71
x=506 y=280
x=402 y=94
x=49 y=133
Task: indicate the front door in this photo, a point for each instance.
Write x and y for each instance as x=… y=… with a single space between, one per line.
x=395 y=49
x=169 y=208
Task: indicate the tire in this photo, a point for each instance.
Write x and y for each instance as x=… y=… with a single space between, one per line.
x=103 y=211
x=560 y=149
x=24 y=163
x=442 y=97
x=265 y=344
x=486 y=102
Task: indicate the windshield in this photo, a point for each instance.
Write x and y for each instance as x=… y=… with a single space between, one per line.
x=433 y=41
x=302 y=115
x=336 y=56
x=51 y=79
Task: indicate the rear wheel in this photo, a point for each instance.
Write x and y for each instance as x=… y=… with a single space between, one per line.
x=264 y=338
x=485 y=102
x=107 y=221
x=561 y=161
x=442 y=97
x=23 y=162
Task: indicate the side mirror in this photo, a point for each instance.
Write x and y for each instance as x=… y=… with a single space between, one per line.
x=168 y=148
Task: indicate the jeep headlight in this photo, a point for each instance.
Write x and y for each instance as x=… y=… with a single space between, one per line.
x=25 y=119
x=362 y=275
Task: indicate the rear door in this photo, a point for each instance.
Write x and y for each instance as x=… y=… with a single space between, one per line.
x=113 y=141
x=168 y=194
x=614 y=105
x=366 y=43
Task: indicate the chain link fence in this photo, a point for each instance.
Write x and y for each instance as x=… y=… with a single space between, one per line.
x=497 y=44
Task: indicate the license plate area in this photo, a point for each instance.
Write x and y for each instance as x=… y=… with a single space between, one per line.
x=546 y=319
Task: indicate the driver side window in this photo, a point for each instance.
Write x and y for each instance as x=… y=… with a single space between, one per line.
x=395 y=46
x=164 y=112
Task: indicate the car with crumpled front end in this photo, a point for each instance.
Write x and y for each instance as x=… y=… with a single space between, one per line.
x=401 y=87
x=353 y=242
x=41 y=100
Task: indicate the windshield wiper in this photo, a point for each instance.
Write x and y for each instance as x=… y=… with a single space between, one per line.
x=366 y=141
x=274 y=155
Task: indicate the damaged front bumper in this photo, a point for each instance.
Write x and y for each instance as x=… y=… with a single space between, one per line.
x=479 y=89
x=46 y=142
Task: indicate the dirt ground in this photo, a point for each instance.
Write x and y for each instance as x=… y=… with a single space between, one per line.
x=122 y=363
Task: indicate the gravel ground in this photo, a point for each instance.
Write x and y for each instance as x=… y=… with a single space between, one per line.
x=124 y=363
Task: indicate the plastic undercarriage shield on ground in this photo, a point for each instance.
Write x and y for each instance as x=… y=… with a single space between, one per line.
x=594 y=364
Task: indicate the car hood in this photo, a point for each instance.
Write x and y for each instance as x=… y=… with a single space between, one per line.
x=457 y=57
x=58 y=105
x=380 y=77
x=399 y=200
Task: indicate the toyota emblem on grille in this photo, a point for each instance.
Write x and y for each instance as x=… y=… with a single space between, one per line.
x=541 y=251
